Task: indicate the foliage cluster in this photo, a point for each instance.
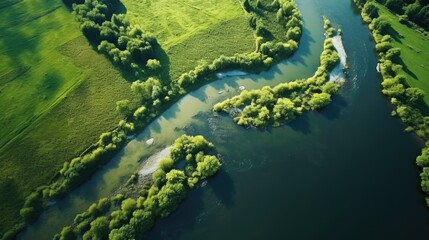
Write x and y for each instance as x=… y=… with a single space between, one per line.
x=282 y=103
x=407 y=101
x=416 y=11
x=130 y=218
x=125 y=44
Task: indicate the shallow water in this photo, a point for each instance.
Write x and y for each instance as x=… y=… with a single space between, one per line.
x=346 y=172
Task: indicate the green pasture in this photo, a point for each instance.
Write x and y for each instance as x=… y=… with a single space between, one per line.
x=414 y=52
x=33 y=73
x=64 y=132
x=193 y=30
x=57 y=95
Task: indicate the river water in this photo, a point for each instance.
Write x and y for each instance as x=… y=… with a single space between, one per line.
x=346 y=172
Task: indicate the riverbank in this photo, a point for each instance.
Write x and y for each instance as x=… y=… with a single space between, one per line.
x=406 y=100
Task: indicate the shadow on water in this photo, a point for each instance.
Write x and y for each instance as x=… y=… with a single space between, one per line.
x=301 y=124
x=304 y=49
x=184 y=218
x=223 y=187
x=192 y=211
x=333 y=110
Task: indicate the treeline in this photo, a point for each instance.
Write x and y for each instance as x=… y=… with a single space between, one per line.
x=282 y=103
x=126 y=45
x=129 y=218
x=407 y=101
x=268 y=49
x=416 y=11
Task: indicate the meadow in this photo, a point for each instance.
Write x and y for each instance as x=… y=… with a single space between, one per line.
x=57 y=95
x=33 y=73
x=191 y=31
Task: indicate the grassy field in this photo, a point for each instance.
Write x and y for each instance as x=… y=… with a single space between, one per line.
x=33 y=73
x=413 y=47
x=63 y=133
x=57 y=95
x=193 y=30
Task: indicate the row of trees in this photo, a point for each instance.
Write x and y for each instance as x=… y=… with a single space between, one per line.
x=282 y=103
x=125 y=44
x=407 y=101
x=416 y=11
x=129 y=218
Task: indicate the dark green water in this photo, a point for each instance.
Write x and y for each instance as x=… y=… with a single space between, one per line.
x=346 y=172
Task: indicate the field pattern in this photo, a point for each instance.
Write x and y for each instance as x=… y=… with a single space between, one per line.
x=33 y=73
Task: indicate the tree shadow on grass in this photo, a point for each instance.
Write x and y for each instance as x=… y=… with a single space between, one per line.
x=406 y=69
x=395 y=34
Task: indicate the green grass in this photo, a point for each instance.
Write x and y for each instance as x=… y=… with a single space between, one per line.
x=193 y=30
x=63 y=133
x=414 y=52
x=210 y=44
x=57 y=95
x=172 y=22
x=33 y=74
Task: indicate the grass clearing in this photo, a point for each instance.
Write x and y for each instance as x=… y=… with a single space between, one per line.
x=225 y=38
x=172 y=22
x=413 y=47
x=193 y=30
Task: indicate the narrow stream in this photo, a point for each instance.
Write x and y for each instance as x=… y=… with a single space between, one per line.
x=346 y=172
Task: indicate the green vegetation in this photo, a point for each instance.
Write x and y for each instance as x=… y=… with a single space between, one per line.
x=126 y=45
x=416 y=11
x=27 y=64
x=277 y=27
x=56 y=92
x=129 y=218
x=407 y=100
x=411 y=45
x=61 y=134
x=188 y=28
x=282 y=103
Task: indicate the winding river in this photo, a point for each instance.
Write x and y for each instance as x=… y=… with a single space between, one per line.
x=346 y=172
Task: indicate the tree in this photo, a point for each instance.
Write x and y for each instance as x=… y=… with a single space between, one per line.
x=153 y=64
x=414 y=94
x=381 y=24
x=142 y=220
x=371 y=10
x=123 y=107
x=67 y=234
x=208 y=166
x=319 y=100
x=126 y=232
x=128 y=205
x=99 y=229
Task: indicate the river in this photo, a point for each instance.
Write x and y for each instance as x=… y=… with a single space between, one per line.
x=346 y=172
